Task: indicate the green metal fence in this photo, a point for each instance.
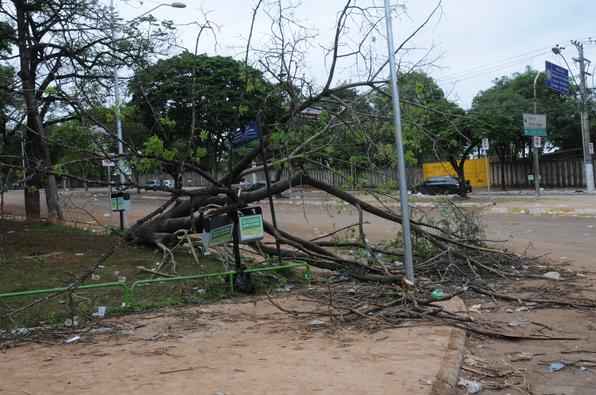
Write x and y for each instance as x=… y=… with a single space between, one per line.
x=128 y=291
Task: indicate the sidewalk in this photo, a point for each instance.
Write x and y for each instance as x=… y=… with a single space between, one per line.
x=241 y=348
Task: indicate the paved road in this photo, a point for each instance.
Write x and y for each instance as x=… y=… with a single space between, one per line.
x=565 y=236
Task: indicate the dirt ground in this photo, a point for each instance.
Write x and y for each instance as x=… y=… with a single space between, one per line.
x=506 y=367
x=502 y=367
x=234 y=348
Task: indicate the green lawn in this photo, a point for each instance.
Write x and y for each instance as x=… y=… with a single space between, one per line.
x=34 y=255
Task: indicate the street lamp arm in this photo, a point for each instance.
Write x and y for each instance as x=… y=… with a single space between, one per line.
x=175 y=4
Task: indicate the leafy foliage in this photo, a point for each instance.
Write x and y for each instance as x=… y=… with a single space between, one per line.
x=225 y=95
x=498 y=112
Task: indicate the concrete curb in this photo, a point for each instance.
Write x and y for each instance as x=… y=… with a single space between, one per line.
x=446 y=381
x=561 y=211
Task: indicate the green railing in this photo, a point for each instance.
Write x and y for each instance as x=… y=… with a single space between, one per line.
x=128 y=296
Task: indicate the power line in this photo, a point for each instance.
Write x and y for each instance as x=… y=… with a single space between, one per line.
x=493 y=69
x=475 y=69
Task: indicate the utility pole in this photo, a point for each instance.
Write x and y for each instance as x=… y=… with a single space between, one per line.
x=120 y=161
x=535 y=149
x=403 y=186
x=584 y=117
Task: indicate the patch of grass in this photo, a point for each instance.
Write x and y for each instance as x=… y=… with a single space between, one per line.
x=34 y=256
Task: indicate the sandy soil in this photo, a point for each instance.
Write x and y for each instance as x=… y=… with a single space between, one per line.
x=568 y=242
x=235 y=348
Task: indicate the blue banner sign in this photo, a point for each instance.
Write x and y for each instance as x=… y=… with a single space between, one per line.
x=245 y=134
x=557 y=78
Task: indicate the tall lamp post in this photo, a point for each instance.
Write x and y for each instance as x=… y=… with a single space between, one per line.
x=535 y=149
x=403 y=186
x=118 y=115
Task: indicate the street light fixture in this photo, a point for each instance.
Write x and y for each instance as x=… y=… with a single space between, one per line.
x=118 y=115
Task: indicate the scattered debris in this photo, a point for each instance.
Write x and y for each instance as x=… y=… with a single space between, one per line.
x=177 y=370
x=43 y=256
x=476 y=308
x=521 y=356
x=552 y=275
x=437 y=294
x=286 y=288
x=101 y=312
x=21 y=332
x=471 y=386
x=517 y=323
x=555 y=367
x=101 y=330
x=73 y=339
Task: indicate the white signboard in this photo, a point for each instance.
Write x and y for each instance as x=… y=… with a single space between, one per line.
x=535 y=124
x=107 y=163
x=485 y=144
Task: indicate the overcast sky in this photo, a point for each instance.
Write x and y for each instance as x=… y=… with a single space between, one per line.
x=473 y=41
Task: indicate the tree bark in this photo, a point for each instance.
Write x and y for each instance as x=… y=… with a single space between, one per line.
x=32 y=203
x=39 y=137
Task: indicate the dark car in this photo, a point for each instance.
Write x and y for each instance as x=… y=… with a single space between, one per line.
x=251 y=187
x=445 y=185
x=151 y=185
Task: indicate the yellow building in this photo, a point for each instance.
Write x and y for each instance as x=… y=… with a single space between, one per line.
x=475 y=171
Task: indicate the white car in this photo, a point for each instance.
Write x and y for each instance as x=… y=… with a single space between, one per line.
x=167 y=183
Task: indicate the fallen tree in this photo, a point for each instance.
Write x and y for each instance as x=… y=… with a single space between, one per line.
x=189 y=210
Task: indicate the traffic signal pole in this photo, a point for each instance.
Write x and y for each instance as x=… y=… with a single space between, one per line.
x=584 y=117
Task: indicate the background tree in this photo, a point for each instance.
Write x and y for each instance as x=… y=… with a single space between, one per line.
x=76 y=148
x=225 y=94
x=9 y=144
x=498 y=111
x=66 y=52
x=435 y=129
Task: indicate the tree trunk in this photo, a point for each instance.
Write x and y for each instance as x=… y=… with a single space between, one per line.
x=2 y=183
x=502 y=162
x=39 y=149
x=55 y=213
x=32 y=203
x=458 y=166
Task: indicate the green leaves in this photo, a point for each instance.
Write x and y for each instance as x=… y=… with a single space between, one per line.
x=220 y=92
x=200 y=153
x=167 y=123
x=154 y=146
x=204 y=135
